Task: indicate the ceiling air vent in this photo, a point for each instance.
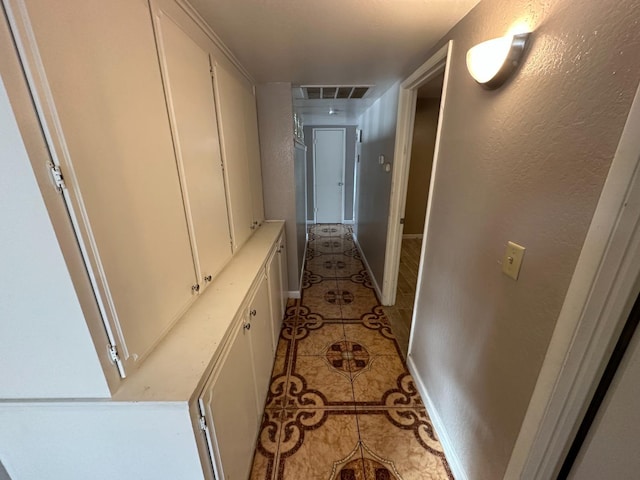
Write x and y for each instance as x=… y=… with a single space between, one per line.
x=331 y=92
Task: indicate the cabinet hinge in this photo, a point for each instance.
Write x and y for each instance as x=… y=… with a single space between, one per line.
x=202 y=422
x=113 y=354
x=195 y=288
x=56 y=174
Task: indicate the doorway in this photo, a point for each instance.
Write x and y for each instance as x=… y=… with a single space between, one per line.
x=328 y=165
x=435 y=67
x=427 y=112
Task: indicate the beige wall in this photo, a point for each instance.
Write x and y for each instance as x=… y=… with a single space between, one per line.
x=282 y=180
x=424 y=141
x=524 y=163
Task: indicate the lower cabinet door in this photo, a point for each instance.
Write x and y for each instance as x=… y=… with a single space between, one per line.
x=284 y=275
x=229 y=403
x=274 y=277
x=261 y=342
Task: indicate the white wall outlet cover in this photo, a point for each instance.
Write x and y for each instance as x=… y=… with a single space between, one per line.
x=380 y=159
x=512 y=260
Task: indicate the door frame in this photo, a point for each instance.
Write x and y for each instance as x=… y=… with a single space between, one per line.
x=603 y=288
x=344 y=158
x=438 y=63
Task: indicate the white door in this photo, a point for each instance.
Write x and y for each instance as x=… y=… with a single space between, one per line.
x=328 y=157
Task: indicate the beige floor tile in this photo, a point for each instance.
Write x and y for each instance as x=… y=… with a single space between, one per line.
x=380 y=341
x=317 y=382
x=404 y=442
x=385 y=382
x=315 y=340
x=315 y=443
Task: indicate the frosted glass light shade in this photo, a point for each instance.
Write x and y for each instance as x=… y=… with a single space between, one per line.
x=490 y=63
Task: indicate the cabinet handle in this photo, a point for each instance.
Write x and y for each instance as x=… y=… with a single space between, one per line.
x=253 y=312
x=208 y=278
x=247 y=326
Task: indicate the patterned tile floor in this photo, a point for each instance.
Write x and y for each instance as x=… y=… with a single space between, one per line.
x=342 y=405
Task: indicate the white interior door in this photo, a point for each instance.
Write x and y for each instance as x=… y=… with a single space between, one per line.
x=328 y=157
x=195 y=128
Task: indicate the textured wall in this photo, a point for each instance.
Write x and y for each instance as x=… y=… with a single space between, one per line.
x=424 y=141
x=524 y=163
x=349 y=165
x=275 y=124
x=378 y=126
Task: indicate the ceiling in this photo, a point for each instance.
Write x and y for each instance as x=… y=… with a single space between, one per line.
x=332 y=42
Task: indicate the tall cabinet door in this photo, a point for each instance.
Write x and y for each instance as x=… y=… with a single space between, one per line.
x=253 y=157
x=261 y=342
x=231 y=93
x=105 y=115
x=193 y=113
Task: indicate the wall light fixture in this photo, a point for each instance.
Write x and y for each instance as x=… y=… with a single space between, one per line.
x=490 y=63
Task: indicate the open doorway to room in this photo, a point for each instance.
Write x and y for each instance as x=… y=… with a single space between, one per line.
x=420 y=105
x=427 y=112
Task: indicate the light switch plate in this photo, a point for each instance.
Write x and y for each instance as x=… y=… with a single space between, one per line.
x=512 y=260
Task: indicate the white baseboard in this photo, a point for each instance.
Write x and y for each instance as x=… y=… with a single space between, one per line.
x=293 y=294
x=412 y=235
x=347 y=222
x=366 y=265
x=447 y=445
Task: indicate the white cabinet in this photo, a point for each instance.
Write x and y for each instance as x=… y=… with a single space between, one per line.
x=277 y=275
x=234 y=396
x=262 y=351
x=229 y=405
x=158 y=199
x=103 y=109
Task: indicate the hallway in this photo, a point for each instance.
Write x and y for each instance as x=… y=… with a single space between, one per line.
x=342 y=404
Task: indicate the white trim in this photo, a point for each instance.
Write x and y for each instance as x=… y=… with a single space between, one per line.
x=438 y=63
x=410 y=236
x=366 y=265
x=600 y=295
x=293 y=294
x=348 y=222
x=344 y=161
x=447 y=445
